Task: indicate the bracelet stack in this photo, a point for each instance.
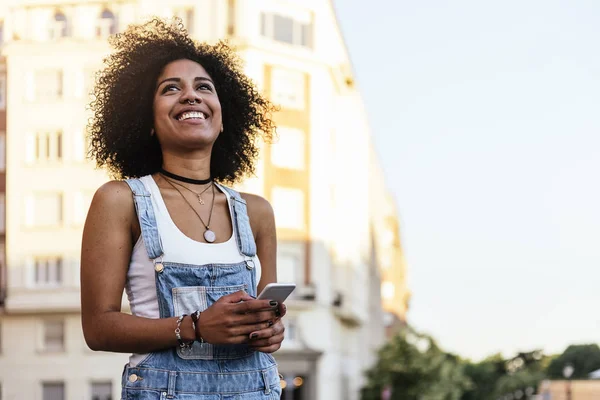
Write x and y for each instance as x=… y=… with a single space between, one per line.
x=183 y=345
x=195 y=317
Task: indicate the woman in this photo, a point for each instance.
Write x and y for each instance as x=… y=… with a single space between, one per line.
x=177 y=119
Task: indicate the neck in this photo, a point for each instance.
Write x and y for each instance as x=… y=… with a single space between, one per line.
x=184 y=178
x=195 y=169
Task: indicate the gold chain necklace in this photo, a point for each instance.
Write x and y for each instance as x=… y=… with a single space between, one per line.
x=198 y=195
x=209 y=235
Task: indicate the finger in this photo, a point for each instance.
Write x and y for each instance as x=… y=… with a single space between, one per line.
x=274 y=330
x=270 y=341
x=246 y=330
x=237 y=297
x=238 y=339
x=249 y=306
x=263 y=333
x=281 y=310
x=256 y=317
x=268 y=349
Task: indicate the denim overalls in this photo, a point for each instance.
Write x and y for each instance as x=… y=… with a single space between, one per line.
x=206 y=371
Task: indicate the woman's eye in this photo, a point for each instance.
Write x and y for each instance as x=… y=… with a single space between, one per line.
x=170 y=88
x=205 y=87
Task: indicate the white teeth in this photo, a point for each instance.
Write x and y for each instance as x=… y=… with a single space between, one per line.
x=191 y=114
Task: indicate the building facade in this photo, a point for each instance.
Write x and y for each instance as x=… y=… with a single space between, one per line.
x=326 y=224
x=387 y=245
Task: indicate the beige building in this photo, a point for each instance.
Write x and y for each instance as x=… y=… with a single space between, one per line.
x=580 y=390
x=387 y=245
x=333 y=242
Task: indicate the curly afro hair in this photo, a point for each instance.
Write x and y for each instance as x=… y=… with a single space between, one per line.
x=124 y=92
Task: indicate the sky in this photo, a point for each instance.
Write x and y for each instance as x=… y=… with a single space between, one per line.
x=486 y=117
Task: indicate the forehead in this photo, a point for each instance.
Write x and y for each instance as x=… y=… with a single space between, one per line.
x=183 y=68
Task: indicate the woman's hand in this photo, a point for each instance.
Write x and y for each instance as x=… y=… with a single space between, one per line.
x=232 y=318
x=269 y=340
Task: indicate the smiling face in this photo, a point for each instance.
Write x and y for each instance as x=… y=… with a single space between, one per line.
x=187 y=111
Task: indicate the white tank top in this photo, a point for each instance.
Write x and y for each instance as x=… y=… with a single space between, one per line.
x=177 y=248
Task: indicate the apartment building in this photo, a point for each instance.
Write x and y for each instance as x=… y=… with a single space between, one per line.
x=385 y=221
x=327 y=241
x=2 y=174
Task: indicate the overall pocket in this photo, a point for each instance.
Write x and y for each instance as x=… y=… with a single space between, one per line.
x=188 y=299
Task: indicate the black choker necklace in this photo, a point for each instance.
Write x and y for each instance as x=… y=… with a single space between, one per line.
x=184 y=179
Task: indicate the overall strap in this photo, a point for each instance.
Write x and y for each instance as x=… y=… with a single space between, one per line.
x=241 y=222
x=145 y=212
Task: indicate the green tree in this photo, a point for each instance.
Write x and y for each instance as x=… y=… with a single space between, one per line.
x=520 y=380
x=484 y=376
x=414 y=368
x=495 y=376
x=585 y=358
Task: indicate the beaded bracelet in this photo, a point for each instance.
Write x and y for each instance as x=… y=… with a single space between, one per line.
x=182 y=344
x=195 y=317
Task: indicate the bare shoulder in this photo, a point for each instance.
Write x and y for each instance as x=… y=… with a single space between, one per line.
x=258 y=206
x=114 y=192
x=114 y=198
x=260 y=212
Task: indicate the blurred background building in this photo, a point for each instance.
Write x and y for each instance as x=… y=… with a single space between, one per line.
x=338 y=228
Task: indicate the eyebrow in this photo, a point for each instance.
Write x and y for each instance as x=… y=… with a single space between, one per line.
x=196 y=79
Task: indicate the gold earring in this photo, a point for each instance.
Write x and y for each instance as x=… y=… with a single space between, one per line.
x=152 y=132
x=221 y=128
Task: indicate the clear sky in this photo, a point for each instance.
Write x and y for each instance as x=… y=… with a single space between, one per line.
x=486 y=116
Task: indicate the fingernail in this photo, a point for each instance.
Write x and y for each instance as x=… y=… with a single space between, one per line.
x=254 y=336
x=277 y=313
x=270 y=323
x=273 y=303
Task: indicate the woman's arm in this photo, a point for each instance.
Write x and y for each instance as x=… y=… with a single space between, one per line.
x=105 y=255
x=262 y=221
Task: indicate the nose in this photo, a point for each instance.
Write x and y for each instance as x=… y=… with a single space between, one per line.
x=190 y=96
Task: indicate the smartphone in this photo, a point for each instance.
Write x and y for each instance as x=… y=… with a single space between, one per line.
x=277 y=291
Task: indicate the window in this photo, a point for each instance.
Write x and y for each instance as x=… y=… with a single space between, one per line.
x=60 y=27
x=287 y=88
x=80 y=146
x=187 y=18
x=81 y=204
x=291 y=329
x=231 y=17
x=387 y=290
x=2 y=90
x=2 y=215
x=44 y=147
x=288 y=267
x=48 y=271
x=101 y=391
x=288 y=151
x=43 y=209
x=48 y=85
x=54 y=336
x=53 y=391
x=283 y=29
x=289 y=207
x=2 y=151
x=287 y=29
x=107 y=24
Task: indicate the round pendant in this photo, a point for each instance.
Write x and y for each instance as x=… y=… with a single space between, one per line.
x=209 y=236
